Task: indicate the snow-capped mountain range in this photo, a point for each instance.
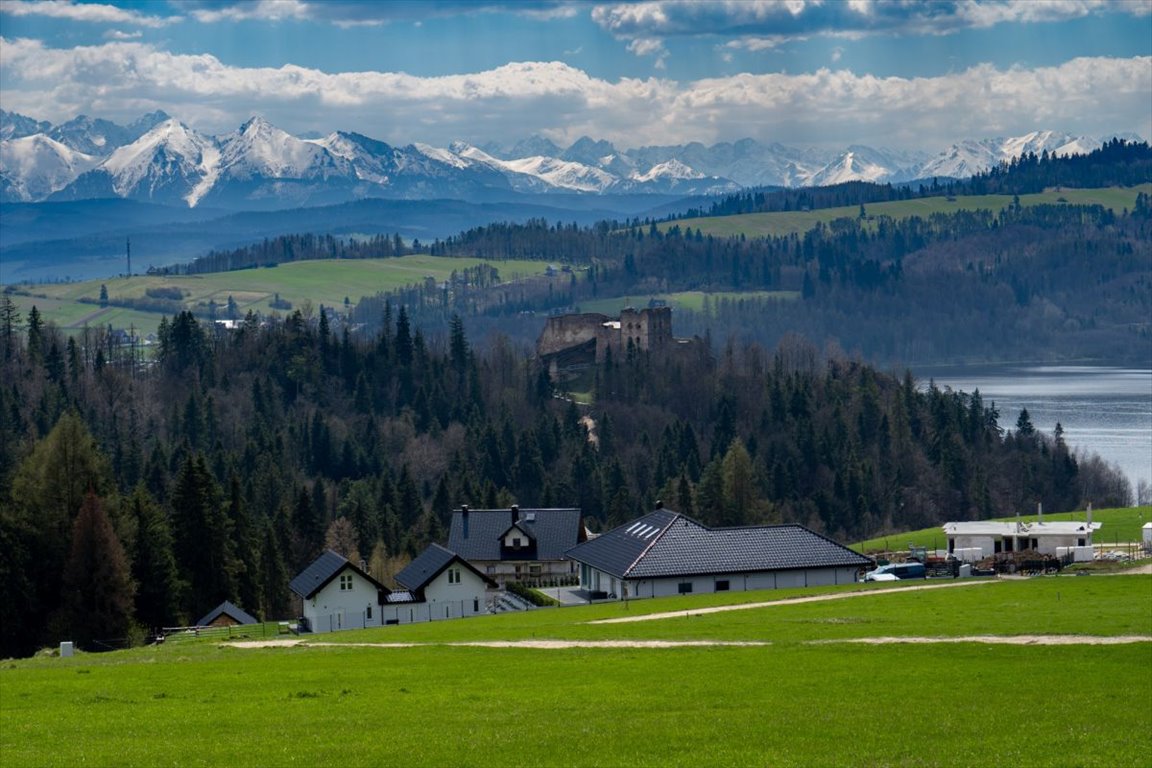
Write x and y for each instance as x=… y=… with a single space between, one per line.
x=159 y=159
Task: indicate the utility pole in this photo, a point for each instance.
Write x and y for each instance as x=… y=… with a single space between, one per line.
x=128 y=248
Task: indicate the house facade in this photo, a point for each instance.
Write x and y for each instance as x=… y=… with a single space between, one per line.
x=665 y=553
x=440 y=585
x=975 y=540
x=512 y=544
x=335 y=594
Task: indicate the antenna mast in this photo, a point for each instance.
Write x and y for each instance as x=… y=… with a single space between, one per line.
x=128 y=248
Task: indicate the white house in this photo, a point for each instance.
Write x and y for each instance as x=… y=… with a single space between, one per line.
x=665 y=553
x=336 y=595
x=517 y=545
x=441 y=585
x=971 y=541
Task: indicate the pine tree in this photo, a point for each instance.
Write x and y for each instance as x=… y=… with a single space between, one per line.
x=203 y=537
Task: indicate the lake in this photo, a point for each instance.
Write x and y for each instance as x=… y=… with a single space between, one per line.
x=1107 y=411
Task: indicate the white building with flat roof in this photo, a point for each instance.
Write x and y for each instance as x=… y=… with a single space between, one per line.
x=982 y=538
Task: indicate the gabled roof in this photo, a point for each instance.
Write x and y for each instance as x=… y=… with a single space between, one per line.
x=431 y=563
x=226 y=607
x=555 y=531
x=666 y=543
x=322 y=570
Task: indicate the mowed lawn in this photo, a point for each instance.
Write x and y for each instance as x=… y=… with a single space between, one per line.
x=789 y=703
x=1119 y=525
x=327 y=282
x=783 y=223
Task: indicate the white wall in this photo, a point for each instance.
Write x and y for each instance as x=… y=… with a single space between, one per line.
x=595 y=580
x=332 y=608
x=451 y=601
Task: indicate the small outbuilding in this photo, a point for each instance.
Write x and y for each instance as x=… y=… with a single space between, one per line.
x=226 y=615
x=666 y=553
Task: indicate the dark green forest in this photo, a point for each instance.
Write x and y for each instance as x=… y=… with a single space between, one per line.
x=138 y=494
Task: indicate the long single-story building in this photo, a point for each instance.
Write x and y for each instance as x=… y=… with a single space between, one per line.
x=517 y=545
x=978 y=539
x=666 y=553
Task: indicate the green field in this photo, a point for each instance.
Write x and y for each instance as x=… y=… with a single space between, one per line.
x=1119 y=526
x=798 y=222
x=694 y=301
x=795 y=701
x=326 y=282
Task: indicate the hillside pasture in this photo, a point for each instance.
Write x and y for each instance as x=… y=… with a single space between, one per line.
x=695 y=301
x=792 y=702
x=326 y=282
x=1120 y=525
x=784 y=223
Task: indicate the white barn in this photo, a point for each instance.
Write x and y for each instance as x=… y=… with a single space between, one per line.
x=665 y=553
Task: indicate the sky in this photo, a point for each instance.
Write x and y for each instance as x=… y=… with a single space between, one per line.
x=899 y=74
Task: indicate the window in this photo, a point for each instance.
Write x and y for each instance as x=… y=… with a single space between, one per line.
x=515 y=542
x=475 y=605
x=345 y=582
x=685 y=587
x=722 y=585
x=1079 y=542
x=533 y=570
x=369 y=611
x=453 y=575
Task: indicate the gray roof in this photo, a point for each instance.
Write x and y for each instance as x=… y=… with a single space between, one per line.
x=322 y=570
x=552 y=531
x=666 y=543
x=430 y=564
x=229 y=608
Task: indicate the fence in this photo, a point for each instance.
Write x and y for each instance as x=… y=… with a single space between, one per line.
x=236 y=632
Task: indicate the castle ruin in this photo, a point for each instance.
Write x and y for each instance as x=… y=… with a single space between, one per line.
x=569 y=340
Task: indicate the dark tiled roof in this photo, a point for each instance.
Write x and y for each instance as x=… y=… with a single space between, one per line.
x=682 y=547
x=618 y=550
x=430 y=564
x=555 y=531
x=322 y=570
x=226 y=607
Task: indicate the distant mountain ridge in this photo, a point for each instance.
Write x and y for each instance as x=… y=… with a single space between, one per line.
x=261 y=167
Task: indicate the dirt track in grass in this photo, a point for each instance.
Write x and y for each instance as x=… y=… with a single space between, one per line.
x=788 y=601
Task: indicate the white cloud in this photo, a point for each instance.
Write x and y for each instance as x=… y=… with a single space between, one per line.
x=798 y=19
x=119 y=34
x=86 y=12
x=120 y=80
x=262 y=10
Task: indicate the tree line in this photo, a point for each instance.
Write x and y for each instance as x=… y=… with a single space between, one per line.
x=139 y=493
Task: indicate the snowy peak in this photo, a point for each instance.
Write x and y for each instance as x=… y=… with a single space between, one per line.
x=17 y=126
x=170 y=160
x=261 y=150
x=36 y=166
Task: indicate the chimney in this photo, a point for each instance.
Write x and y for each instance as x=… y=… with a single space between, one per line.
x=659 y=504
x=515 y=513
x=464 y=519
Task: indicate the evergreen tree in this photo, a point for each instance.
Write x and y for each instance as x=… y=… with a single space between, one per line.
x=202 y=538
x=98 y=589
x=159 y=591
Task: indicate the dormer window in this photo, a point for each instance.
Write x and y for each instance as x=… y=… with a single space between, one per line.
x=516 y=542
x=345 y=582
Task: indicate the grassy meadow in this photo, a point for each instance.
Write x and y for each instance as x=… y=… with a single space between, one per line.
x=695 y=301
x=785 y=223
x=1120 y=525
x=791 y=702
x=326 y=282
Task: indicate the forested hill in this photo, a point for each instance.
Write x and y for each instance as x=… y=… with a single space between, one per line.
x=143 y=495
x=1023 y=276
